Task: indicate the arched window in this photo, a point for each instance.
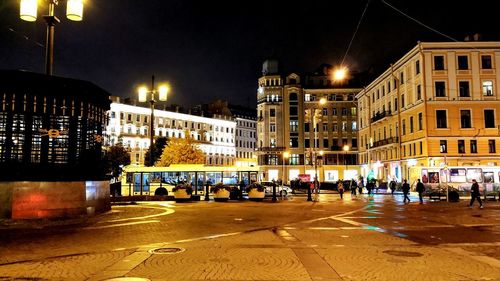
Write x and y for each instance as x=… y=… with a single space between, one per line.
x=293 y=96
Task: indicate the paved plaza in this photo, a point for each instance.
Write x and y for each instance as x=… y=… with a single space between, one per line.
x=362 y=238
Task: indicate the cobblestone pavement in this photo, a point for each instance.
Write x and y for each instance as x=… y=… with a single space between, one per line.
x=363 y=238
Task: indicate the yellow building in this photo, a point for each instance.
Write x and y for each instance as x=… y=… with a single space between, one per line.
x=307 y=125
x=438 y=105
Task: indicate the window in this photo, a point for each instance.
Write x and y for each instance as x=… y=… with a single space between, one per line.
x=325 y=127
x=354 y=143
x=438 y=62
x=402 y=78
x=461 y=146
x=272 y=112
x=325 y=143
x=486 y=62
x=294 y=142
x=465 y=121
x=294 y=159
x=492 y=148
x=307 y=143
x=420 y=121
x=307 y=97
x=463 y=63
x=273 y=142
x=441 y=121
x=419 y=92
x=417 y=67
x=353 y=111
x=344 y=111
x=293 y=110
x=334 y=127
x=463 y=87
x=354 y=126
x=443 y=146
x=489 y=118
x=473 y=146
x=294 y=125
x=395 y=104
x=389 y=86
x=325 y=111
x=402 y=100
x=439 y=87
x=411 y=124
x=488 y=88
x=306 y=127
x=334 y=111
x=293 y=96
x=272 y=127
x=404 y=127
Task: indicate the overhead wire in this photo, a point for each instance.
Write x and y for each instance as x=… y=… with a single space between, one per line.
x=355 y=32
x=419 y=22
x=26 y=37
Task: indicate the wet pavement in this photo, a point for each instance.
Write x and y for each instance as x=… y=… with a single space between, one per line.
x=359 y=238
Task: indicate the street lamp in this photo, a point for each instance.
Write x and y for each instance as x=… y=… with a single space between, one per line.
x=346 y=149
x=286 y=155
x=162 y=96
x=28 y=12
x=322 y=101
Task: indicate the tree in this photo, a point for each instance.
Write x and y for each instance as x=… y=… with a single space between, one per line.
x=158 y=147
x=181 y=151
x=117 y=155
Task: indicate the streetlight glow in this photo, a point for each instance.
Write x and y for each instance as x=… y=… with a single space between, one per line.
x=340 y=74
x=322 y=101
x=346 y=148
x=143 y=94
x=286 y=154
x=74 y=10
x=28 y=10
x=163 y=92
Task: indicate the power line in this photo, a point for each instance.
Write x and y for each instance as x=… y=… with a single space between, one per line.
x=355 y=32
x=419 y=22
x=25 y=37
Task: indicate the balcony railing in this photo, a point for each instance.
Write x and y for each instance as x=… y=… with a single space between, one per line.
x=271 y=149
x=380 y=115
x=385 y=141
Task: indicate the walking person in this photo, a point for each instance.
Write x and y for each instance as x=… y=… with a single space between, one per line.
x=392 y=186
x=340 y=189
x=406 y=190
x=353 y=187
x=475 y=194
x=360 y=186
x=420 y=190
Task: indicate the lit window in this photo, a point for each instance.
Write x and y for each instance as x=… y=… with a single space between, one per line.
x=488 y=88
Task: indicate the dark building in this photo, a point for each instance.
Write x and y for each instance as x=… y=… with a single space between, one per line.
x=50 y=146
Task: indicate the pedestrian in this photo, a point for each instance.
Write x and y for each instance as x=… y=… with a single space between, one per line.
x=360 y=186
x=475 y=194
x=340 y=189
x=353 y=187
x=406 y=190
x=392 y=186
x=420 y=190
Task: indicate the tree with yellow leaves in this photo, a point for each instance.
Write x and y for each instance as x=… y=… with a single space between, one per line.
x=181 y=151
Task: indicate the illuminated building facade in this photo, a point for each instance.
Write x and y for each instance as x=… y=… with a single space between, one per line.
x=438 y=105
x=129 y=124
x=297 y=134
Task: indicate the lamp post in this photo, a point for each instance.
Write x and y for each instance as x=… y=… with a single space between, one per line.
x=28 y=12
x=162 y=96
x=346 y=149
x=322 y=101
x=286 y=154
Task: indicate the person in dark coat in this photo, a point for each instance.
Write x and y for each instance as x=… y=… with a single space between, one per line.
x=406 y=190
x=392 y=186
x=420 y=190
x=475 y=194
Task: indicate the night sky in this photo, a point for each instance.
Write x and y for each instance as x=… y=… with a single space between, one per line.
x=215 y=49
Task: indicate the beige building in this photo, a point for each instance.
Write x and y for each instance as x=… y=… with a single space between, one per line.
x=299 y=135
x=437 y=106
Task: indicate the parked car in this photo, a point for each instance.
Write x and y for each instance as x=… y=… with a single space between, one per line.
x=281 y=190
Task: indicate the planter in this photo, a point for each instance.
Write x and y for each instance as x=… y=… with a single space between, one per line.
x=181 y=195
x=256 y=195
x=222 y=195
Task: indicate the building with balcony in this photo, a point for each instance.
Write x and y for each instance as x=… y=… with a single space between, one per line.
x=129 y=125
x=438 y=105
x=297 y=134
